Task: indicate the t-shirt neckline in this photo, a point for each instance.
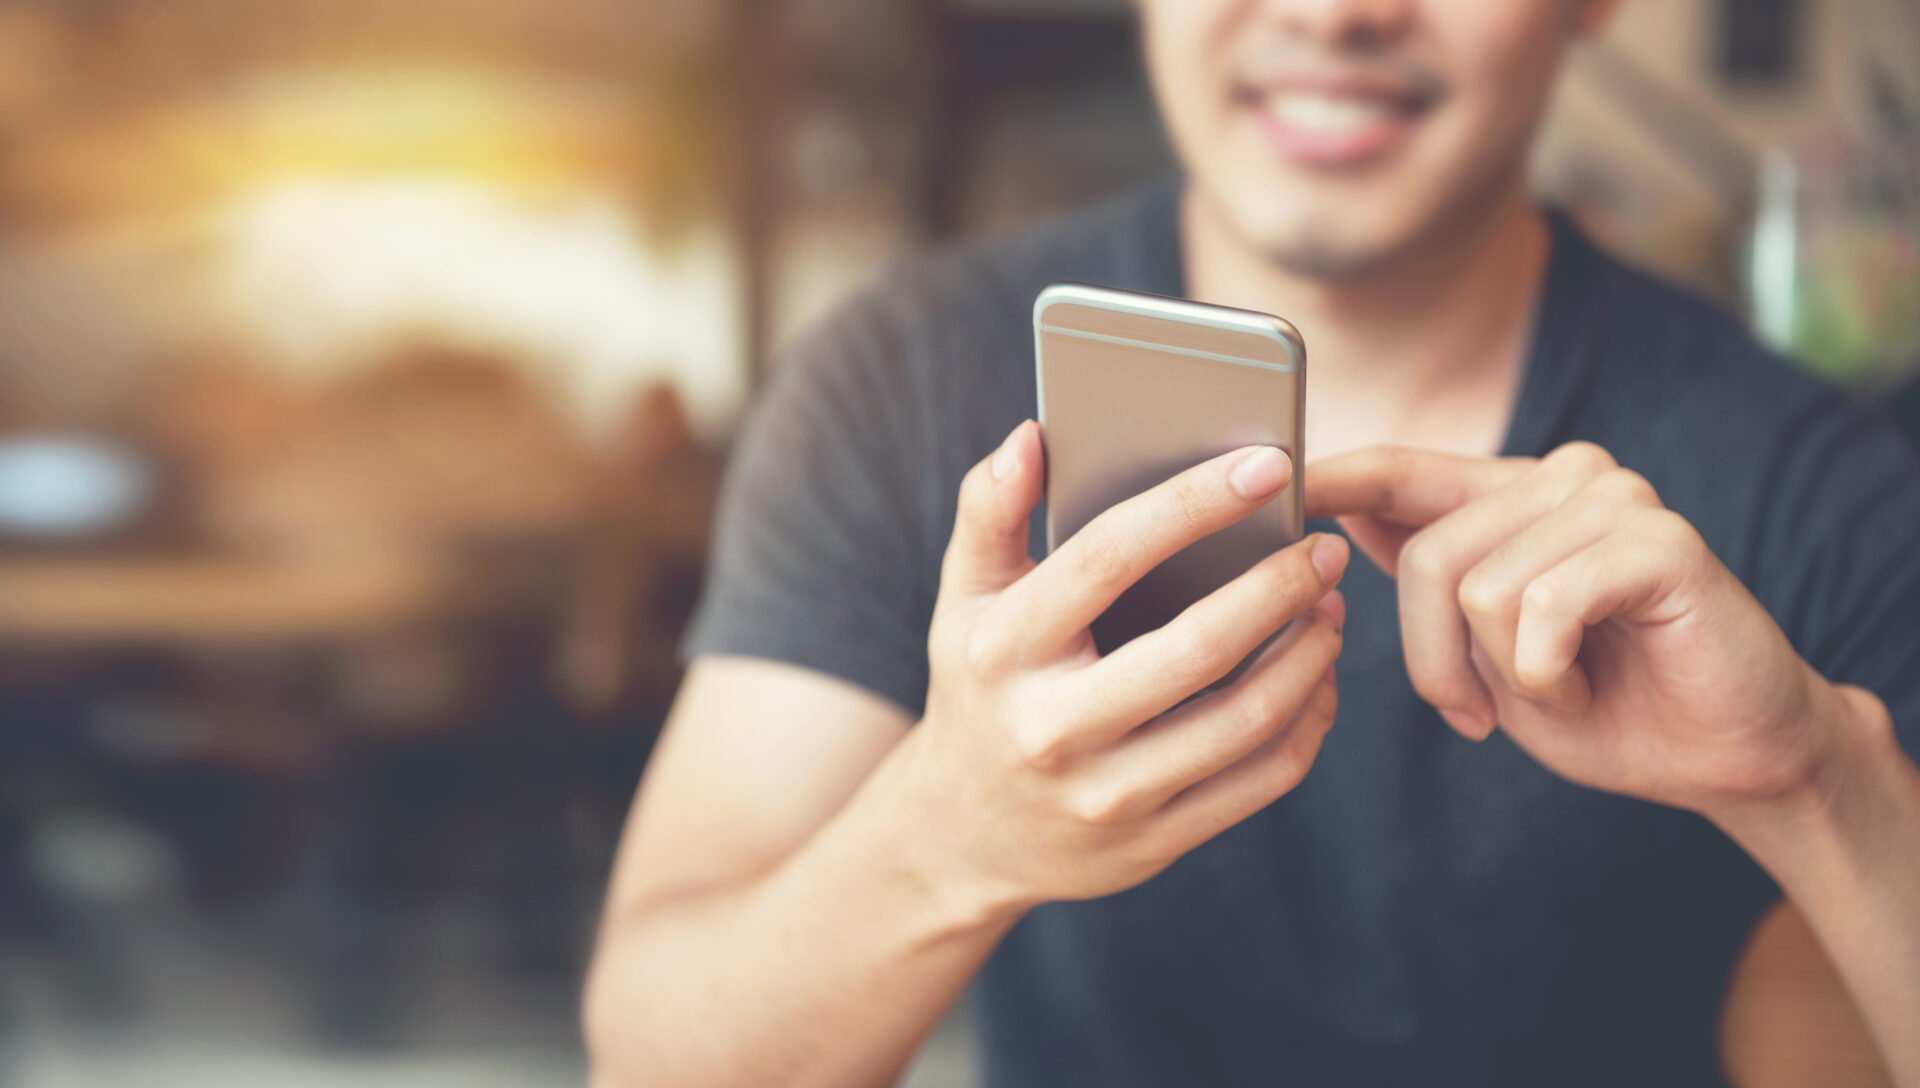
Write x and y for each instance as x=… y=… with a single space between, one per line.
x=1563 y=344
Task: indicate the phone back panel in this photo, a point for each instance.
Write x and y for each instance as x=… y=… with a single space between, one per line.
x=1135 y=389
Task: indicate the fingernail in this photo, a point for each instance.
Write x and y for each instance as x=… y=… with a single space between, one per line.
x=1330 y=557
x=1261 y=473
x=1007 y=457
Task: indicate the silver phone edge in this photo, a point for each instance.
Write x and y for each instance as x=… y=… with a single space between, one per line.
x=1277 y=329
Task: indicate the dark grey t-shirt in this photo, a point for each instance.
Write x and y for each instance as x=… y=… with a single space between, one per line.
x=1422 y=909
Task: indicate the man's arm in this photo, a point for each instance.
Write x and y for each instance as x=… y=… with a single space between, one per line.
x=744 y=938
x=803 y=890
x=1560 y=601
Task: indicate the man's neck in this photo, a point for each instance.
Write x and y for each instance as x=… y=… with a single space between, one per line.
x=1429 y=350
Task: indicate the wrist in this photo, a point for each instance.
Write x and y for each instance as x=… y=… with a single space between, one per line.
x=911 y=836
x=1849 y=745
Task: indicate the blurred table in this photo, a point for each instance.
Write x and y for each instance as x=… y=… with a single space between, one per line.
x=115 y=600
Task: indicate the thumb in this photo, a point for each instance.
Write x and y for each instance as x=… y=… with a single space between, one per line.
x=988 y=549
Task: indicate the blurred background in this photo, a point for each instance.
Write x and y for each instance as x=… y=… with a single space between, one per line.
x=367 y=366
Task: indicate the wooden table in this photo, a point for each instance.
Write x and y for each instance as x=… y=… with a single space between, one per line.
x=81 y=601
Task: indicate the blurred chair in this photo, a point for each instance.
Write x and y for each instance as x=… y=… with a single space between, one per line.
x=642 y=551
x=346 y=676
x=1788 y=1021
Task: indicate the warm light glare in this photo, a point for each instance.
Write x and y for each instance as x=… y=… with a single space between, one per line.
x=345 y=122
x=328 y=274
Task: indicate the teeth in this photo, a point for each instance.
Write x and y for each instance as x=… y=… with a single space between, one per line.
x=1325 y=114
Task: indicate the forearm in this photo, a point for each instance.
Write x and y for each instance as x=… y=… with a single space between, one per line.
x=829 y=971
x=1848 y=855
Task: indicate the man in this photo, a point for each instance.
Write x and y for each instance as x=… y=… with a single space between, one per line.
x=1674 y=628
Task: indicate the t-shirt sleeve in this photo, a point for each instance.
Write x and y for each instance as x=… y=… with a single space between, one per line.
x=1846 y=521
x=817 y=556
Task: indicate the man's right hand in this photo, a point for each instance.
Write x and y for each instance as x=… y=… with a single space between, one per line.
x=1044 y=771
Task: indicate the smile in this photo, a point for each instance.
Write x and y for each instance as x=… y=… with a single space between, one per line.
x=1335 y=126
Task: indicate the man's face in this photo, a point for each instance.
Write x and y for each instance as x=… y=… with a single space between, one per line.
x=1334 y=135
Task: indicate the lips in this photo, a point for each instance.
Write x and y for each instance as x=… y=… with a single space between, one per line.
x=1326 y=124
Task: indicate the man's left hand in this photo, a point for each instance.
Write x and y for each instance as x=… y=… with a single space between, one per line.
x=1561 y=600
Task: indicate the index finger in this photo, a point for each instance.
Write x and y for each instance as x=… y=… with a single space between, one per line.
x=1404 y=485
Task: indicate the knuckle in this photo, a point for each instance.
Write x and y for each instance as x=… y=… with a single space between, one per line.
x=1482 y=594
x=1101 y=557
x=1585 y=458
x=1189 y=656
x=1629 y=486
x=1286 y=767
x=976 y=489
x=1290 y=577
x=1039 y=747
x=1543 y=596
x=946 y=642
x=1427 y=556
x=1666 y=527
x=986 y=653
x=1190 y=501
x=1388 y=464
x=1532 y=677
x=1099 y=805
x=1257 y=709
x=1441 y=686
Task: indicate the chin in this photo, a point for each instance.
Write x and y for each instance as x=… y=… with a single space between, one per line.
x=1310 y=241
x=1323 y=260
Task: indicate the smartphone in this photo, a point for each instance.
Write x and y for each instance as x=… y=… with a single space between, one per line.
x=1135 y=389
